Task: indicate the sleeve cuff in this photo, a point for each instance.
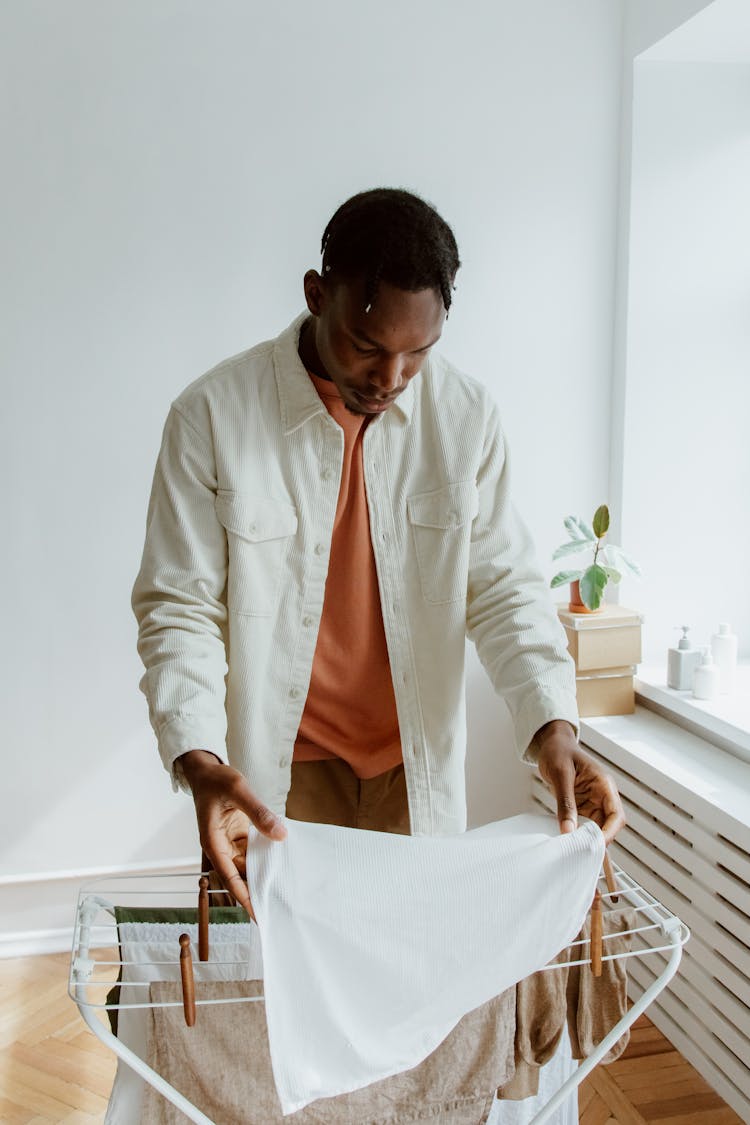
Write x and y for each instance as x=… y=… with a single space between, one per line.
x=537 y=712
x=190 y=732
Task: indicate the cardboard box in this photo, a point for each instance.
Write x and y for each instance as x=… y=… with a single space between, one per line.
x=606 y=693
x=597 y=641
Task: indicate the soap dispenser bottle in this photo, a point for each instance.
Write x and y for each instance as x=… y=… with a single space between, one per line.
x=706 y=680
x=682 y=662
x=724 y=652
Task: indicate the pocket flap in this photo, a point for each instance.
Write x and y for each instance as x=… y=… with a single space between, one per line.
x=448 y=507
x=255 y=518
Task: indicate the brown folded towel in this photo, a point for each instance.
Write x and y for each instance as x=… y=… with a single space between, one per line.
x=223 y=1066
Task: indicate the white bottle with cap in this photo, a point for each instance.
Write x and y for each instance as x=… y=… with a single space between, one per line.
x=706 y=678
x=724 y=652
x=682 y=662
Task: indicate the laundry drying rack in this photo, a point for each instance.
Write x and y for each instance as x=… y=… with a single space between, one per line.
x=657 y=933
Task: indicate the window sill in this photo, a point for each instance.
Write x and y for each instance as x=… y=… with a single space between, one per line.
x=662 y=754
x=724 y=721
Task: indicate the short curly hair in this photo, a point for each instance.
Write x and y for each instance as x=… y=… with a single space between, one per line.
x=391 y=235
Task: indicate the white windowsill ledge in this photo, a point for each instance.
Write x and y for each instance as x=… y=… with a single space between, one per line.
x=724 y=721
x=660 y=753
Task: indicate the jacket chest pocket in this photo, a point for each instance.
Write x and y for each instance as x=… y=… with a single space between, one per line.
x=441 y=527
x=259 y=531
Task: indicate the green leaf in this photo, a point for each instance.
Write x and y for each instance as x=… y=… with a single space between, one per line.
x=571 y=548
x=565 y=576
x=601 y=521
x=612 y=574
x=619 y=556
x=592 y=586
x=577 y=527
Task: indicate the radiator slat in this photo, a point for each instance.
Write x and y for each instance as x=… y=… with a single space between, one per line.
x=709 y=844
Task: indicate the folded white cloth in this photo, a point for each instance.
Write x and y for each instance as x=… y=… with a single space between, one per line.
x=375 y=945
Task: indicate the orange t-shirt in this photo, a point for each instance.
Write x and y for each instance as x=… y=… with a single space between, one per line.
x=350 y=711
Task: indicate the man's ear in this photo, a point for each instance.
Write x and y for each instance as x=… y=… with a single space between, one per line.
x=315 y=292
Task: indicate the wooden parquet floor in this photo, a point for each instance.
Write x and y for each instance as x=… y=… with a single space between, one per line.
x=54 y=1069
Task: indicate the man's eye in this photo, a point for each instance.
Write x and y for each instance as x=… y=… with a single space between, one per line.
x=365 y=351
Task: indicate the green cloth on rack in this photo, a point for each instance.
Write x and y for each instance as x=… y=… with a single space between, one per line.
x=187 y=915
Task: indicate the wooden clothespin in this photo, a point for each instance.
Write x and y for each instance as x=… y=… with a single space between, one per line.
x=596 y=935
x=609 y=875
x=203 y=918
x=188 y=983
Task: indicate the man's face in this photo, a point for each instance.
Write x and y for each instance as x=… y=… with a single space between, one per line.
x=370 y=356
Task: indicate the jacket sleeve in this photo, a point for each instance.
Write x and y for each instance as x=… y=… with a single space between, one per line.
x=510 y=615
x=179 y=599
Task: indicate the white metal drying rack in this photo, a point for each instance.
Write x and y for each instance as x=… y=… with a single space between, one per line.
x=661 y=933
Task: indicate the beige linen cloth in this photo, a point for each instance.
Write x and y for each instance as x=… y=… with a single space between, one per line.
x=223 y=1066
x=591 y=1006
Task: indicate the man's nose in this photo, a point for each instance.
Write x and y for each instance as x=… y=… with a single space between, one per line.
x=389 y=375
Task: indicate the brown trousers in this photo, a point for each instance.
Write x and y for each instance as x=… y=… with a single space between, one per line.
x=329 y=792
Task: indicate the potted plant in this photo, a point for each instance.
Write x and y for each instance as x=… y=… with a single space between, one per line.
x=587 y=586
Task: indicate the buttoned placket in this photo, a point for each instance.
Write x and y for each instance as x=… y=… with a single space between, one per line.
x=322 y=490
x=386 y=538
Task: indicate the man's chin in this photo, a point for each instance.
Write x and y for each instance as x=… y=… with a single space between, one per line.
x=358 y=410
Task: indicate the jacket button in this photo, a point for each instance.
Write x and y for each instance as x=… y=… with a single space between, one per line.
x=294 y=693
x=284 y=762
x=307 y=621
x=319 y=548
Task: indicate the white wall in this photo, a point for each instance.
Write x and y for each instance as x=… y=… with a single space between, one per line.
x=687 y=467
x=647 y=24
x=170 y=168
x=681 y=315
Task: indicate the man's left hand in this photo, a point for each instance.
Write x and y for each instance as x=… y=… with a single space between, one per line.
x=577 y=781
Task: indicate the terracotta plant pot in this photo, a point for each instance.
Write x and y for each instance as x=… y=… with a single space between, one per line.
x=575 y=605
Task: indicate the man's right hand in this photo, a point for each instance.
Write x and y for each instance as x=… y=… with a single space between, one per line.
x=224 y=805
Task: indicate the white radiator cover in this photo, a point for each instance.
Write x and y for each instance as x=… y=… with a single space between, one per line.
x=694 y=856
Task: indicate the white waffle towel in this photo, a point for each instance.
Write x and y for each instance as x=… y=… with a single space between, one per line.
x=375 y=945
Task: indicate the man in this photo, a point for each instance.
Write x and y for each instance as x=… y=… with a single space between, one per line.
x=329 y=519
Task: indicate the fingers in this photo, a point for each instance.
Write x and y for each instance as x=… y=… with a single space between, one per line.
x=581 y=786
x=600 y=802
x=614 y=813
x=559 y=776
x=561 y=784
x=567 y=814
x=267 y=823
x=231 y=880
x=241 y=796
x=223 y=803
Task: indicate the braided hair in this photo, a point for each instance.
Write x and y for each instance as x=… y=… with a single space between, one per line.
x=390 y=235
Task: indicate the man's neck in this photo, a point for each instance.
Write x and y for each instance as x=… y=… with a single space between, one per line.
x=308 y=352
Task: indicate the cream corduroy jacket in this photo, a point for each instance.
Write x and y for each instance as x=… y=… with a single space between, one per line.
x=230 y=590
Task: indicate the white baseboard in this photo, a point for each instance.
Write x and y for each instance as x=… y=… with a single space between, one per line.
x=35 y=942
x=38 y=909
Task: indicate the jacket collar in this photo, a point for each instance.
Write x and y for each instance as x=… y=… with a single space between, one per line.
x=298 y=399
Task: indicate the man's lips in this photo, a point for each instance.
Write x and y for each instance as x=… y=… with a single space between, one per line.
x=375 y=403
